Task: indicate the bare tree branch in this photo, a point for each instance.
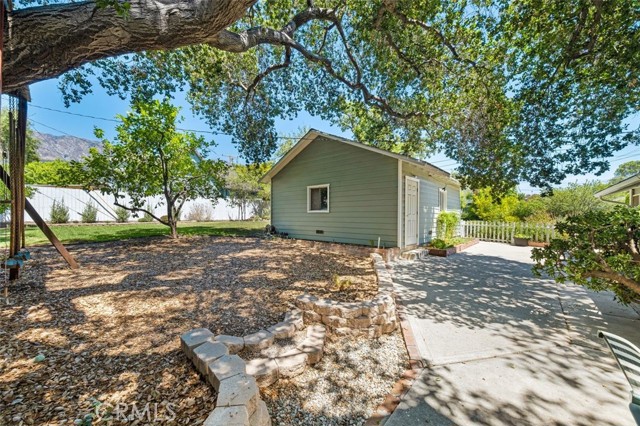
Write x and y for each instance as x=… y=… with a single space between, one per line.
x=614 y=276
x=450 y=46
x=266 y=72
x=137 y=209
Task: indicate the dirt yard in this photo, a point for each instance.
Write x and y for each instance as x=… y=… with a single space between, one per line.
x=109 y=332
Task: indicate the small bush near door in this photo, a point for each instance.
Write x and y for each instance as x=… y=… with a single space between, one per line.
x=446 y=225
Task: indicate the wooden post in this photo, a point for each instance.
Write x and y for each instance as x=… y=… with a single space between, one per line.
x=17 y=149
x=42 y=225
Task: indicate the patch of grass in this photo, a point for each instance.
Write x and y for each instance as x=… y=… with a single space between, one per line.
x=96 y=233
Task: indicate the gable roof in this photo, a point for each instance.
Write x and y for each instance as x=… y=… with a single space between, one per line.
x=624 y=185
x=314 y=134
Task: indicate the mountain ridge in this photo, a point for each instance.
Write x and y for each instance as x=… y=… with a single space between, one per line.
x=64 y=147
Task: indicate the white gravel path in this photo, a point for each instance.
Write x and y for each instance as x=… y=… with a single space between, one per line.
x=344 y=388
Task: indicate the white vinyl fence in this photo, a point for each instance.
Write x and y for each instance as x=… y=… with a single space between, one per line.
x=76 y=199
x=503 y=232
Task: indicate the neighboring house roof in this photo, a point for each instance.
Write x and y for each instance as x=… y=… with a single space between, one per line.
x=625 y=185
x=313 y=134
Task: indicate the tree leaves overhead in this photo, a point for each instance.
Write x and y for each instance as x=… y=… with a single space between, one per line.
x=531 y=91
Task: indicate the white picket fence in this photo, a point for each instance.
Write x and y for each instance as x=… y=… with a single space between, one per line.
x=503 y=232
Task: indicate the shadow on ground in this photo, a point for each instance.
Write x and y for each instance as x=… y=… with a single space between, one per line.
x=110 y=330
x=502 y=349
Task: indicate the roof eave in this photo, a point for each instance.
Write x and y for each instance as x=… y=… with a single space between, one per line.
x=624 y=185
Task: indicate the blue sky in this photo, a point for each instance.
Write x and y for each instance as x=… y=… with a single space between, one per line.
x=100 y=105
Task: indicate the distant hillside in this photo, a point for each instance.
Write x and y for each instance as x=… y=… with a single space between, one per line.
x=63 y=147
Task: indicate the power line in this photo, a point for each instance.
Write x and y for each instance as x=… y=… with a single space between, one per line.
x=75 y=113
x=49 y=127
x=112 y=120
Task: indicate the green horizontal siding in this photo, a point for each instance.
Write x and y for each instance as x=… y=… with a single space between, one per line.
x=453 y=200
x=362 y=196
x=429 y=209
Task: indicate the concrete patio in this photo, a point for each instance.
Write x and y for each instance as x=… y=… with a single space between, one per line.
x=506 y=348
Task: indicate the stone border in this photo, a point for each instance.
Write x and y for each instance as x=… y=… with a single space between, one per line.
x=238 y=381
x=371 y=318
x=238 y=401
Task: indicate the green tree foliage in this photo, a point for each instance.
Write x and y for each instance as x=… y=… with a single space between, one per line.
x=89 y=213
x=288 y=141
x=626 y=170
x=574 y=200
x=485 y=206
x=246 y=192
x=528 y=90
x=56 y=172
x=149 y=157
x=59 y=212
x=599 y=250
x=31 y=145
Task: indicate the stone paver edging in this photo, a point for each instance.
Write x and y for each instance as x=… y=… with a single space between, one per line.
x=372 y=318
x=238 y=381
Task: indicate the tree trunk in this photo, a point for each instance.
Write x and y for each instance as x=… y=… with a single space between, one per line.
x=45 y=41
x=171 y=219
x=173 y=225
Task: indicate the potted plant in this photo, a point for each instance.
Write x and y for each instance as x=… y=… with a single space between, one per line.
x=521 y=240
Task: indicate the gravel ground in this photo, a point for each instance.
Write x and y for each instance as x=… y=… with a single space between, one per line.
x=344 y=388
x=108 y=332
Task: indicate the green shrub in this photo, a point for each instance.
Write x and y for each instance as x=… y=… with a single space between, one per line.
x=146 y=218
x=598 y=250
x=440 y=244
x=59 y=212
x=449 y=242
x=90 y=213
x=446 y=225
x=122 y=215
x=523 y=235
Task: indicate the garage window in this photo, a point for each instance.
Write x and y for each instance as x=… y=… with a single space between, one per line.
x=318 y=199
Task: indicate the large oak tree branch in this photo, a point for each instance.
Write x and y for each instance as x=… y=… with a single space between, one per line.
x=44 y=42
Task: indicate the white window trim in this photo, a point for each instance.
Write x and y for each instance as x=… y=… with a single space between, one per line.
x=407 y=178
x=309 y=188
x=443 y=199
